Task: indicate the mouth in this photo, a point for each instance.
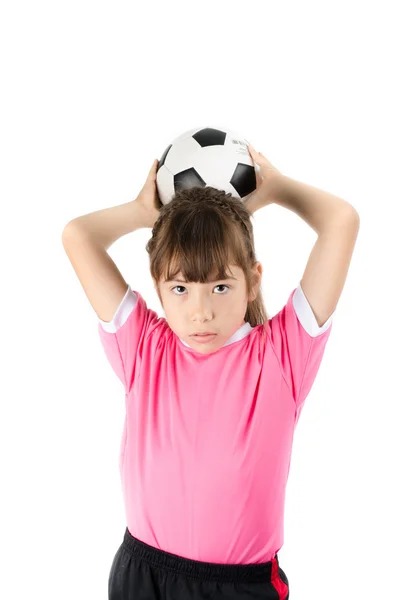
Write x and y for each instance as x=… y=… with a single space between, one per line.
x=204 y=338
x=204 y=333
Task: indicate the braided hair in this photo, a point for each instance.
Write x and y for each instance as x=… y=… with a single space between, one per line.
x=199 y=233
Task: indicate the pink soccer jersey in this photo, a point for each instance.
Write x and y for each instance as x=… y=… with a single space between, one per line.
x=207 y=439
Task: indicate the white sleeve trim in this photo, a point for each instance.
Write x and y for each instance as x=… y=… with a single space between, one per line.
x=301 y=305
x=306 y=316
x=122 y=313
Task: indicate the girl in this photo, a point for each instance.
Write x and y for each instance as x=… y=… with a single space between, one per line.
x=209 y=423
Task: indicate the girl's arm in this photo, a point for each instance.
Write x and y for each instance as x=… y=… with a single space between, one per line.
x=86 y=240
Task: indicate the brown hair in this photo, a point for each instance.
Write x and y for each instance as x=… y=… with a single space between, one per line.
x=199 y=233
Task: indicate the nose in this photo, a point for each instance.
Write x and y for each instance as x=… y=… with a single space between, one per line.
x=201 y=310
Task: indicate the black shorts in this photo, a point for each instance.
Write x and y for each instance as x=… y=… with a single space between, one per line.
x=142 y=572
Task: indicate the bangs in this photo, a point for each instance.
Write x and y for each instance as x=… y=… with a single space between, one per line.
x=201 y=249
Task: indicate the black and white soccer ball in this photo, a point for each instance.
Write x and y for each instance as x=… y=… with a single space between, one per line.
x=206 y=157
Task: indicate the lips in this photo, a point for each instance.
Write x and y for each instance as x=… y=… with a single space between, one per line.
x=202 y=334
x=204 y=339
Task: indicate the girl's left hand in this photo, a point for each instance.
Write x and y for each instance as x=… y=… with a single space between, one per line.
x=265 y=181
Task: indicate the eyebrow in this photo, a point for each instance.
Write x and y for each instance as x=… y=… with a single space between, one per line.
x=211 y=281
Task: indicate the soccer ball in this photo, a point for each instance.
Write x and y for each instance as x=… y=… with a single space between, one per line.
x=206 y=157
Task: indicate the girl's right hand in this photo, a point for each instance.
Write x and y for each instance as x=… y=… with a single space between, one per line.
x=148 y=196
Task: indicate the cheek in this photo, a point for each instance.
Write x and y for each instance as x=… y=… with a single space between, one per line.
x=172 y=312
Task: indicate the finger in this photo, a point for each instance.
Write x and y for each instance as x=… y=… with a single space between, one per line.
x=258 y=176
x=252 y=149
x=255 y=153
x=153 y=170
x=257 y=157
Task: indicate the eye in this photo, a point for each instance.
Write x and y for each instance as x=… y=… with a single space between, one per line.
x=217 y=286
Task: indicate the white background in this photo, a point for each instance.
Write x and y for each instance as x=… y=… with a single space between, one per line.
x=91 y=94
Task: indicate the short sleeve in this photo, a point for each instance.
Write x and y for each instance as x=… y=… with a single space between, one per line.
x=123 y=339
x=299 y=344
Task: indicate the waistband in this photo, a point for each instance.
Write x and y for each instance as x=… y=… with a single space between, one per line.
x=205 y=571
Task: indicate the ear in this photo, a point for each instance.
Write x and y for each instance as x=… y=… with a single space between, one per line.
x=257 y=278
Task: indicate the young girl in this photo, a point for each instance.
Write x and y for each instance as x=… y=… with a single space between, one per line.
x=209 y=422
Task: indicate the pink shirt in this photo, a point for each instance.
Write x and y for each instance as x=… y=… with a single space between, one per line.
x=206 y=445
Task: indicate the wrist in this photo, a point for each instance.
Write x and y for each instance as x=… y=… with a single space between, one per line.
x=273 y=188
